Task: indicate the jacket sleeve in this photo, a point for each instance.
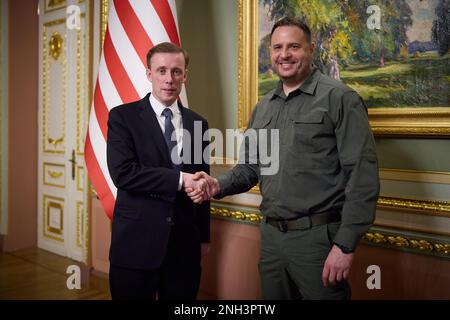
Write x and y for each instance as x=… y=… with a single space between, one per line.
x=127 y=172
x=357 y=154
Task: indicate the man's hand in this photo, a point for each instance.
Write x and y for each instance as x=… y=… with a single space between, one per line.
x=198 y=186
x=337 y=266
x=212 y=188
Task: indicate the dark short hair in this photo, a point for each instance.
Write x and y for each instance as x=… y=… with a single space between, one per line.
x=295 y=22
x=167 y=47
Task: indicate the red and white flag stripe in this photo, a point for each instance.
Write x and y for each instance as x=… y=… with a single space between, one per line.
x=134 y=26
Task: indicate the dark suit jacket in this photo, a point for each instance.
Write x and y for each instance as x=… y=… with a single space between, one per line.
x=148 y=206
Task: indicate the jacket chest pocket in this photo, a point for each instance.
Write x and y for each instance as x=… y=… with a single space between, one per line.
x=310 y=133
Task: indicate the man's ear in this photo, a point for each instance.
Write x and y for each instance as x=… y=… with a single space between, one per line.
x=312 y=47
x=148 y=73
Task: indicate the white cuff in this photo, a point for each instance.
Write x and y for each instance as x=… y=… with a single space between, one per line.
x=180 y=182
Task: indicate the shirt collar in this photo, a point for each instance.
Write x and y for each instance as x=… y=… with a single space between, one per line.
x=308 y=86
x=158 y=107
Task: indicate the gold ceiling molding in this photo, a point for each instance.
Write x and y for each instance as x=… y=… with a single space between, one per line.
x=398 y=240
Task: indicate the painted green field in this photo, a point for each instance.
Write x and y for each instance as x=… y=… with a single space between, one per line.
x=422 y=80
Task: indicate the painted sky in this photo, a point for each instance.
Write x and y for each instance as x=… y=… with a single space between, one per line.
x=423 y=16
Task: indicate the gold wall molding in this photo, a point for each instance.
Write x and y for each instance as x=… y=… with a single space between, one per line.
x=80 y=225
x=104 y=7
x=78 y=84
x=52 y=5
x=57 y=172
x=45 y=77
x=401 y=241
x=48 y=231
x=415 y=176
x=428 y=207
x=237 y=215
x=80 y=178
x=55 y=45
x=409 y=122
x=389 y=239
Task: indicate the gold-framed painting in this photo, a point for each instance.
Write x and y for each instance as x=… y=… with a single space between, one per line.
x=391 y=53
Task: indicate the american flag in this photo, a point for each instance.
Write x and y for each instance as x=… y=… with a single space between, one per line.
x=134 y=26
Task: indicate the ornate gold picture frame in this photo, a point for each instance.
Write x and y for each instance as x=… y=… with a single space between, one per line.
x=430 y=122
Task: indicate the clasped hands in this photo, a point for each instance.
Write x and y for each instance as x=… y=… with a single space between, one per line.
x=200 y=186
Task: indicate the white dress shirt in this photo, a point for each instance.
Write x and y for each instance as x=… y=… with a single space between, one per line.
x=177 y=122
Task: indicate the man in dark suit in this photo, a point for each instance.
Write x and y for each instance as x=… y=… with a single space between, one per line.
x=158 y=233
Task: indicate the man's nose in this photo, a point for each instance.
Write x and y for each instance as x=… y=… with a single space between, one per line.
x=285 y=53
x=168 y=77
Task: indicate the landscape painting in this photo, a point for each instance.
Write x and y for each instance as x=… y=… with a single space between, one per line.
x=394 y=53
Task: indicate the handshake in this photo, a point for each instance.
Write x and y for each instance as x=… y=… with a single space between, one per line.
x=200 y=186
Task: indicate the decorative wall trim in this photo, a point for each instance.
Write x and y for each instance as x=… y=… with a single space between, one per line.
x=415 y=243
x=104 y=8
x=419 y=206
x=428 y=207
x=415 y=176
x=389 y=238
x=236 y=215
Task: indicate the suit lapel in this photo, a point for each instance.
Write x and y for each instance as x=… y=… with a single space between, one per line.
x=148 y=115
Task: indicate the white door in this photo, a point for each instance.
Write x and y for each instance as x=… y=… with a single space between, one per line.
x=63 y=113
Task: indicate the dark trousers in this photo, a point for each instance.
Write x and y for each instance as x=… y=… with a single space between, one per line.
x=291 y=264
x=178 y=278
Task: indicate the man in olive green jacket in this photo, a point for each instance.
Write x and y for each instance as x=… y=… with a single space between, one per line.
x=323 y=197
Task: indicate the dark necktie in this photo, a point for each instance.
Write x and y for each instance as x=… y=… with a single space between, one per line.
x=168 y=130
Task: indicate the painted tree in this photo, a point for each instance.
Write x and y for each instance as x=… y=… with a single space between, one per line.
x=341 y=31
x=381 y=42
x=440 y=32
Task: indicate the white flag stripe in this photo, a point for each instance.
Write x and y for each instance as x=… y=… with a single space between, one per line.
x=99 y=146
x=127 y=54
x=149 y=19
x=173 y=8
x=107 y=88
